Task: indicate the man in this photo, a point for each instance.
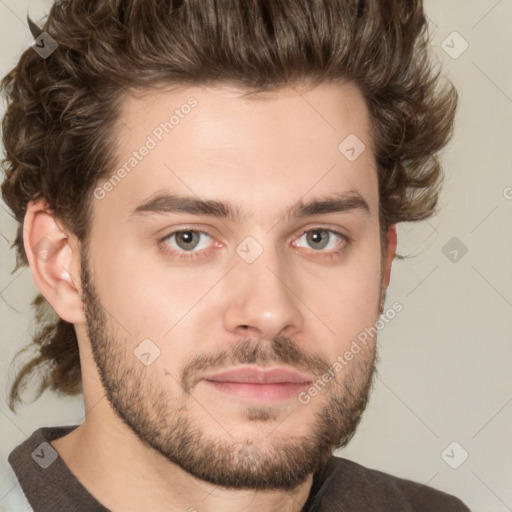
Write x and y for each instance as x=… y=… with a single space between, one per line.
x=208 y=194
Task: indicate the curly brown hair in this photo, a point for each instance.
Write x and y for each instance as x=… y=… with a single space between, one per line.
x=58 y=129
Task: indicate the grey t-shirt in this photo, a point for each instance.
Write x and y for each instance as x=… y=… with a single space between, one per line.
x=343 y=485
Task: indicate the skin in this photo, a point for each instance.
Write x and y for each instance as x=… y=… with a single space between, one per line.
x=265 y=153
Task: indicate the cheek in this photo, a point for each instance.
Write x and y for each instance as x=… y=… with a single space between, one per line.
x=124 y=284
x=146 y=299
x=348 y=305
x=348 y=301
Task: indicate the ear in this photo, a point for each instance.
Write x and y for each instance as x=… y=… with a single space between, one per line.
x=54 y=260
x=389 y=254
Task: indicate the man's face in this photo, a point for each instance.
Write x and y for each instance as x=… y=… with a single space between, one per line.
x=166 y=312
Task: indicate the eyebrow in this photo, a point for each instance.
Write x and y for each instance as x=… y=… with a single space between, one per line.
x=165 y=203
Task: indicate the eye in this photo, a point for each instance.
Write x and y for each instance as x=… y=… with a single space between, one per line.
x=186 y=240
x=321 y=238
x=191 y=243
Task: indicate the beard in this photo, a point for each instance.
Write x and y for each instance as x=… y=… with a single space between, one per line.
x=162 y=420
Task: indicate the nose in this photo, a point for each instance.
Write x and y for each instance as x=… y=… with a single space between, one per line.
x=263 y=299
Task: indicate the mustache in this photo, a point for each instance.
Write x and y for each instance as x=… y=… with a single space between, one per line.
x=257 y=352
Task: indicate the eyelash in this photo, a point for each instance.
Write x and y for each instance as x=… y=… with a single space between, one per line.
x=190 y=255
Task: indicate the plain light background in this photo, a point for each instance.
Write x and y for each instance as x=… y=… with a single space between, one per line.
x=444 y=373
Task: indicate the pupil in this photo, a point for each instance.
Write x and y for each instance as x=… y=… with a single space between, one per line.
x=317 y=237
x=187 y=238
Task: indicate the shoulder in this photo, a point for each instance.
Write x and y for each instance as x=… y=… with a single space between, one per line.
x=370 y=489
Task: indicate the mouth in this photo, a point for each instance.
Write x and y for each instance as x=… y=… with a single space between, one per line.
x=259 y=385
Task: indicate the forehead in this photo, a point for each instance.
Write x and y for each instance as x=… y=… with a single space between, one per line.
x=264 y=151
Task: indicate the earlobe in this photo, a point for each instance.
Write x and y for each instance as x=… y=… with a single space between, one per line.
x=54 y=260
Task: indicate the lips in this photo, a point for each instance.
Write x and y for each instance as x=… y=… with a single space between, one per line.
x=258 y=386
x=251 y=375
